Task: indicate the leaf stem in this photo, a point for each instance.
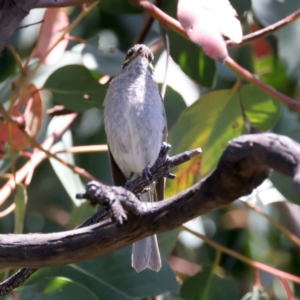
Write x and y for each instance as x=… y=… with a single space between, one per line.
x=246 y=260
x=68 y=29
x=211 y=275
x=283 y=230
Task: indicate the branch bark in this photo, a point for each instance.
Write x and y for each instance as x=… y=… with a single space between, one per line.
x=245 y=163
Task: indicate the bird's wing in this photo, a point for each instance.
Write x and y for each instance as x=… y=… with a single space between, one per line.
x=119 y=178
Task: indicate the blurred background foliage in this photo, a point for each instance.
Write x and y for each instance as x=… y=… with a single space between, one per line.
x=206 y=105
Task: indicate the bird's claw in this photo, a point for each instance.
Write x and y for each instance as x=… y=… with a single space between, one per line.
x=146 y=173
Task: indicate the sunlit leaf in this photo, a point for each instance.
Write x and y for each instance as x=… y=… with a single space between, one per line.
x=262 y=110
x=206 y=21
x=109 y=62
x=75 y=88
x=271 y=71
x=54 y=288
x=209 y=124
x=70 y=180
x=19 y=211
x=54 y=23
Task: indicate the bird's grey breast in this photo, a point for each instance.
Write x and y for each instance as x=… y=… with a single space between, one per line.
x=134 y=119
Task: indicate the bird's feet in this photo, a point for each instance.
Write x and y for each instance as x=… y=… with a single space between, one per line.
x=146 y=173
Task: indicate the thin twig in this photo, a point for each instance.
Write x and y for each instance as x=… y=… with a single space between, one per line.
x=283 y=230
x=35 y=144
x=287 y=288
x=266 y=88
x=170 y=22
x=68 y=29
x=167 y=42
x=249 y=38
x=31 y=24
x=248 y=261
x=36 y=158
x=16 y=57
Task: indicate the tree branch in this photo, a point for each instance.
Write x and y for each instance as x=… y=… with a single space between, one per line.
x=245 y=163
x=11 y=14
x=249 y=38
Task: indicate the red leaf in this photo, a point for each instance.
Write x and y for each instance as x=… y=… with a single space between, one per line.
x=29 y=109
x=55 y=22
x=205 y=21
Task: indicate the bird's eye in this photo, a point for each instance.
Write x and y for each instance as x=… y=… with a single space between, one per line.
x=150 y=58
x=129 y=54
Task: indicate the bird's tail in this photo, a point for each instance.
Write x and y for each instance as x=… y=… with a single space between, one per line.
x=145 y=253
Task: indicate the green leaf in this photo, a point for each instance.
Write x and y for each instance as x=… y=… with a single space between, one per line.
x=75 y=88
x=174 y=105
x=70 y=180
x=219 y=288
x=117 y=7
x=167 y=241
x=54 y=288
x=262 y=110
x=112 y=277
x=271 y=11
x=189 y=56
x=209 y=123
x=19 y=212
x=271 y=72
x=241 y=6
x=96 y=59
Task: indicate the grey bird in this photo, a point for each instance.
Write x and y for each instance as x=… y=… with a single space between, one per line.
x=135 y=125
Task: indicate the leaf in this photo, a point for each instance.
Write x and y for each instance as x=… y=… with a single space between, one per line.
x=167 y=241
x=271 y=11
x=241 y=6
x=191 y=59
x=262 y=110
x=96 y=59
x=28 y=107
x=206 y=21
x=75 y=88
x=257 y=293
x=54 y=288
x=19 y=211
x=174 y=105
x=117 y=7
x=272 y=72
x=54 y=23
x=219 y=288
x=70 y=180
x=209 y=123
x=112 y=277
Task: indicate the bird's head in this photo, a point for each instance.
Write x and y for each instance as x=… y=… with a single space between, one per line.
x=141 y=55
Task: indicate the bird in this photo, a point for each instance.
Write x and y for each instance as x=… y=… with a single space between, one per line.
x=136 y=127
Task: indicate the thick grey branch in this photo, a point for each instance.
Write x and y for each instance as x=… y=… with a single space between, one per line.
x=243 y=166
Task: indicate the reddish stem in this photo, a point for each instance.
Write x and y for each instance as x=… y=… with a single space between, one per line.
x=287 y=288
